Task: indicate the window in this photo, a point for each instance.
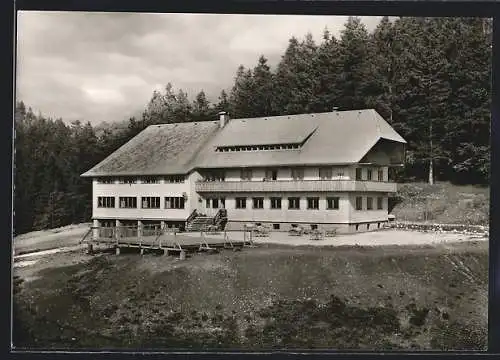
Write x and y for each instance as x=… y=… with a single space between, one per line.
x=271 y=174
x=298 y=174
x=276 y=226
x=241 y=203
x=325 y=173
x=127 y=181
x=313 y=203
x=108 y=223
x=294 y=203
x=223 y=203
x=150 y=202
x=105 y=181
x=314 y=226
x=258 y=203
x=380 y=203
x=369 y=203
x=215 y=176
x=359 y=203
x=380 y=175
x=215 y=203
x=246 y=174
x=275 y=203
x=174 y=179
x=207 y=204
x=150 y=180
x=128 y=202
x=174 y=203
x=106 y=202
x=369 y=174
x=332 y=203
x=340 y=174
x=359 y=173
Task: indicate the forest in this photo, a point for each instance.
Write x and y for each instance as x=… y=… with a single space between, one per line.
x=430 y=78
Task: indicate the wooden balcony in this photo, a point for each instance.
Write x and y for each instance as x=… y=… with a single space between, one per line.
x=295 y=186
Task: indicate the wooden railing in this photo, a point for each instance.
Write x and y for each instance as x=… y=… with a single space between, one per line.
x=295 y=185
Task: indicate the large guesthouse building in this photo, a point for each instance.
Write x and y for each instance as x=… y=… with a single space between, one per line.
x=325 y=170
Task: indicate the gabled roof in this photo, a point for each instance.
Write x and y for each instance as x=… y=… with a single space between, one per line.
x=158 y=150
x=342 y=137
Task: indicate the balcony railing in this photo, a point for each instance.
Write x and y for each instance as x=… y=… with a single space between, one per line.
x=295 y=185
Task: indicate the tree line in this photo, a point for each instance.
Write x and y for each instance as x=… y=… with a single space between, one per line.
x=430 y=78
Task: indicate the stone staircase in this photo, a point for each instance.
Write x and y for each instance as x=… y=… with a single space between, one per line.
x=199 y=223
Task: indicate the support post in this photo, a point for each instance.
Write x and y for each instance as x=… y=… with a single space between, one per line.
x=117 y=250
x=90 y=249
x=142 y=251
x=182 y=255
x=139 y=228
x=95 y=230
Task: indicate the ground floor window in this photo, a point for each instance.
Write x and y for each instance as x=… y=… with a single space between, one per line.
x=128 y=202
x=294 y=203
x=106 y=202
x=107 y=223
x=241 y=203
x=258 y=203
x=174 y=203
x=313 y=203
x=276 y=226
x=275 y=203
x=369 y=203
x=332 y=203
x=151 y=202
x=359 y=203
x=380 y=203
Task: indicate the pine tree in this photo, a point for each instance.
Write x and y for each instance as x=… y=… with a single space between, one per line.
x=355 y=67
x=262 y=87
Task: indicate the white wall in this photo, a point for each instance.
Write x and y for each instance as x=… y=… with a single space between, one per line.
x=161 y=190
x=367 y=215
x=322 y=215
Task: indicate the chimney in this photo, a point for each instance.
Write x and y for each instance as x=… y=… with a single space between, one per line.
x=223 y=119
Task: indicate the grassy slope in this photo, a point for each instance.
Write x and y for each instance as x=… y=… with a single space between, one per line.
x=443 y=203
x=269 y=297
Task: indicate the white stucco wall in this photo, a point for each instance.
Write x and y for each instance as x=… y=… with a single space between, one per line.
x=139 y=190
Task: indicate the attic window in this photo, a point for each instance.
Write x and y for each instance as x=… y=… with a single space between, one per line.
x=105 y=181
x=174 y=179
x=263 y=147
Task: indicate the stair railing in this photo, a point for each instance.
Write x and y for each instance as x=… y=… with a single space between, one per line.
x=191 y=217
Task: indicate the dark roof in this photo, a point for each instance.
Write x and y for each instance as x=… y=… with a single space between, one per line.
x=343 y=137
x=158 y=150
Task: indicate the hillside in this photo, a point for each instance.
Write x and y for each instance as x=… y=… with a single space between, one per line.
x=442 y=203
x=270 y=297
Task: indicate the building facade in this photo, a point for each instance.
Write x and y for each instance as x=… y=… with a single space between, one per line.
x=327 y=170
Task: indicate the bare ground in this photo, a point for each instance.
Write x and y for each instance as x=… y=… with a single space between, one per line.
x=270 y=297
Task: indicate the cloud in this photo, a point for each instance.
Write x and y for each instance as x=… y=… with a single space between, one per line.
x=104 y=66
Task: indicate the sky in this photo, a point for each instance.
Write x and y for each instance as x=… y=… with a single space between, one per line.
x=105 y=66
